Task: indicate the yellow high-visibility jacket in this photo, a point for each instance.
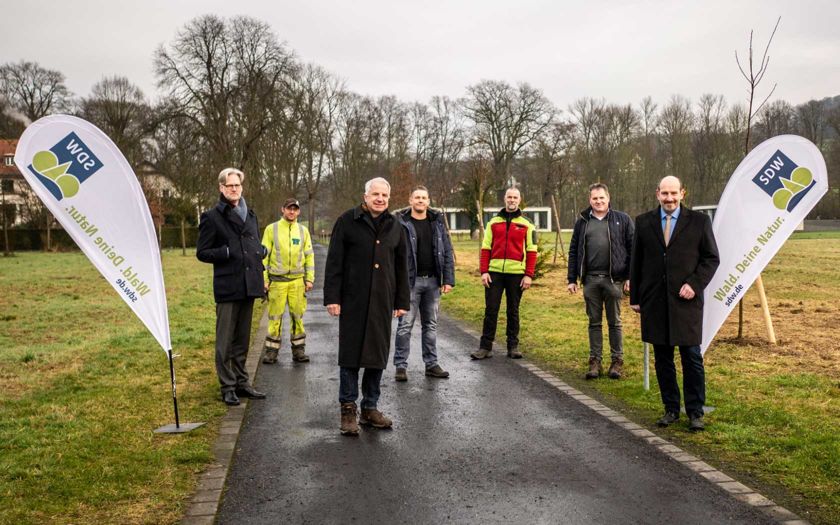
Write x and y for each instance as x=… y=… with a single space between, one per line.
x=290 y=253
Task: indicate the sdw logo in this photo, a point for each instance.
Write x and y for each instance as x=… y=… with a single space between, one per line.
x=63 y=168
x=784 y=181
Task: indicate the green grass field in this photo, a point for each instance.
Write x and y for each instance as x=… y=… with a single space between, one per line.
x=777 y=417
x=85 y=385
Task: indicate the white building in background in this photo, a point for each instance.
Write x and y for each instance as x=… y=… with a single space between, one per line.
x=458 y=220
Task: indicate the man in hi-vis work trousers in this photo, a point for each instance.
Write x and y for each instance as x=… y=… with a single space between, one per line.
x=289 y=274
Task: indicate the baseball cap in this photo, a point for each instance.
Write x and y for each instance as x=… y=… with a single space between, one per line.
x=291 y=201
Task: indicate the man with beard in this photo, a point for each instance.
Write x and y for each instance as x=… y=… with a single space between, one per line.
x=507 y=264
x=674 y=258
x=431 y=271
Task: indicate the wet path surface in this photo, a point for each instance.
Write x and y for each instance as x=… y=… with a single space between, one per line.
x=491 y=444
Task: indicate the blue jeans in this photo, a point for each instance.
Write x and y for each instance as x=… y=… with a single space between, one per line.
x=425 y=299
x=348 y=389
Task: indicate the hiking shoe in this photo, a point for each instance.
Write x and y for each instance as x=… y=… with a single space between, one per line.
x=435 y=371
x=481 y=353
x=349 y=425
x=374 y=418
x=616 y=367
x=667 y=419
x=695 y=424
x=299 y=354
x=401 y=375
x=594 y=368
x=514 y=353
x=270 y=356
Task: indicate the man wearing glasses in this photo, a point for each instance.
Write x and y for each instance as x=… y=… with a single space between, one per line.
x=228 y=238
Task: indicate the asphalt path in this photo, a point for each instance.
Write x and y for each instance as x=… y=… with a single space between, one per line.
x=491 y=444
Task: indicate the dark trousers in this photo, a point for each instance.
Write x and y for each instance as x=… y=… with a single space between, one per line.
x=694 y=378
x=510 y=284
x=233 y=337
x=601 y=293
x=348 y=386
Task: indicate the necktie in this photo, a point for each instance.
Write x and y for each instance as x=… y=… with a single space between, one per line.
x=667 y=229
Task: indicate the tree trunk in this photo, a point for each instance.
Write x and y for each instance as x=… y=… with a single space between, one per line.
x=6 y=250
x=49 y=231
x=183 y=237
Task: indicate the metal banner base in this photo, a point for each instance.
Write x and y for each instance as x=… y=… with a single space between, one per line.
x=177 y=429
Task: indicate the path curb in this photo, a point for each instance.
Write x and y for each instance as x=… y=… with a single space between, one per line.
x=205 y=501
x=736 y=489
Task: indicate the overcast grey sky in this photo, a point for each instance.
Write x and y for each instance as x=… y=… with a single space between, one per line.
x=621 y=51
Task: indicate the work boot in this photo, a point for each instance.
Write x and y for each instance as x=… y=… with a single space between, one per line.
x=401 y=375
x=436 y=371
x=270 y=356
x=299 y=354
x=667 y=419
x=594 y=368
x=695 y=424
x=374 y=418
x=482 y=353
x=615 y=369
x=514 y=353
x=349 y=424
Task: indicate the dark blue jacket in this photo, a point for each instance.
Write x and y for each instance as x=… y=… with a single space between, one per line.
x=620 y=229
x=441 y=245
x=234 y=249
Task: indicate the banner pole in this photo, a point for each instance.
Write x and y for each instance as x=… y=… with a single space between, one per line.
x=765 y=308
x=177 y=428
x=174 y=389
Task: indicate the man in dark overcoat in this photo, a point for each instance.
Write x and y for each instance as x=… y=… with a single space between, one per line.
x=229 y=239
x=366 y=286
x=673 y=259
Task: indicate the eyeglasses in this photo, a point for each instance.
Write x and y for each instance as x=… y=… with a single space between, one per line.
x=232 y=186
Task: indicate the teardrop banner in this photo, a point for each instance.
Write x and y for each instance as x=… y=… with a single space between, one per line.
x=85 y=181
x=770 y=193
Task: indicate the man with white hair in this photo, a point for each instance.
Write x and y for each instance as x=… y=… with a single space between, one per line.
x=366 y=286
x=229 y=239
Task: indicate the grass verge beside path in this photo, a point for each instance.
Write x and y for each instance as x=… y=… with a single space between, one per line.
x=85 y=384
x=777 y=419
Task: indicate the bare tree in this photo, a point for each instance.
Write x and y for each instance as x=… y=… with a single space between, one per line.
x=812 y=121
x=119 y=108
x=222 y=74
x=775 y=118
x=754 y=75
x=34 y=90
x=504 y=121
x=675 y=124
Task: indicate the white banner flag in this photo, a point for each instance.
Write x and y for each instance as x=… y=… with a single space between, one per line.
x=770 y=193
x=87 y=184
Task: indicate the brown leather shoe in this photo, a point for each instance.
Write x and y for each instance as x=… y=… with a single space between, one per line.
x=349 y=424
x=374 y=418
x=482 y=353
x=594 y=368
x=616 y=367
x=401 y=375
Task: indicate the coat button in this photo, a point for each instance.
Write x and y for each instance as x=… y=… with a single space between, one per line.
x=376 y=265
x=377 y=241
